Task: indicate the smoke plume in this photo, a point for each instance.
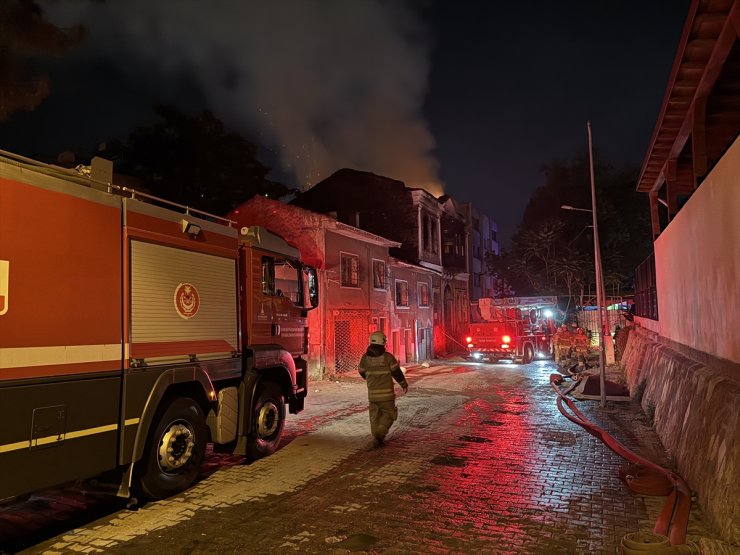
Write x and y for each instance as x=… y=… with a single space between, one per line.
x=326 y=84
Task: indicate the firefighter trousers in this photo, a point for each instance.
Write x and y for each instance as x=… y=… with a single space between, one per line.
x=382 y=416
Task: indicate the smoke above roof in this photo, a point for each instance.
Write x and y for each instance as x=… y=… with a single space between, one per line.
x=325 y=84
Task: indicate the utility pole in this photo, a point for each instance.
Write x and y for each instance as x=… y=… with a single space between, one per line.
x=599 y=277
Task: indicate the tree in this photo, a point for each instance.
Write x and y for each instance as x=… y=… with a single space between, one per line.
x=23 y=35
x=194 y=161
x=498 y=266
x=552 y=251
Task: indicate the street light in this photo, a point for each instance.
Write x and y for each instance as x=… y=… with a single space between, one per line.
x=569 y=207
x=599 y=275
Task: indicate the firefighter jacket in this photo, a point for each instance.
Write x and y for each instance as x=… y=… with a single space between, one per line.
x=379 y=369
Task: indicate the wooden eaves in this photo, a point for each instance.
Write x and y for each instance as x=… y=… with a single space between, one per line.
x=700 y=115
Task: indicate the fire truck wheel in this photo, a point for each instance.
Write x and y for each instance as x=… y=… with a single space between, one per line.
x=528 y=354
x=268 y=420
x=174 y=450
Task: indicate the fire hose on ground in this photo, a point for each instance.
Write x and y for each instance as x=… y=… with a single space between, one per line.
x=646 y=478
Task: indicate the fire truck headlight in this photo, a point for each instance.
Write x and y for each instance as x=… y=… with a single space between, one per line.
x=470 y=345
x=477 y=356
x=506 y=339
x=468 y=339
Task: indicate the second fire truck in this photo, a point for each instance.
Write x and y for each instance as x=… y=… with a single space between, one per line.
x=515 y=328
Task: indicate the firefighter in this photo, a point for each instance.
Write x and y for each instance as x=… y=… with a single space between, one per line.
x=581 y=342
x=563 y=343
x=379 y=368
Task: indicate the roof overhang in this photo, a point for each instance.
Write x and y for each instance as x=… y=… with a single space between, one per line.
x=347 y=230
x=701 y=99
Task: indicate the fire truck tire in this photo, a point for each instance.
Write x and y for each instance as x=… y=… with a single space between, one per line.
x=528 y=354
x=268 y=421
x=175 y=450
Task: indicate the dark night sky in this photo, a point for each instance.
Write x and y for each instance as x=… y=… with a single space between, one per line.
x=477 y=94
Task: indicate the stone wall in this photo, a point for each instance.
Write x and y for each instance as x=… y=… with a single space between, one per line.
x=695 y=410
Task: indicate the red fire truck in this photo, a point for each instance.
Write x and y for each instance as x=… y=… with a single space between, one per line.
x=134 y=331
x=515 y=328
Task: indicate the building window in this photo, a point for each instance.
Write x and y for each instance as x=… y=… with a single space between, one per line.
x=461 y=308
x=402 y=293
x=426 y=231
x=378 y=274
x=429 y=234
x=435 y=237
x=459 y=245
x=350 y=270
x=423 y=294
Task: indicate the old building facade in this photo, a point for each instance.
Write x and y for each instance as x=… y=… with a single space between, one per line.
x=482 y=240
x=362 y=288
x=411 y=334
x=431 y=234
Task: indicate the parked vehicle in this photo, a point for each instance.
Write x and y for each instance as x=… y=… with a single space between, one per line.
x=133 y=331
x=514 y=328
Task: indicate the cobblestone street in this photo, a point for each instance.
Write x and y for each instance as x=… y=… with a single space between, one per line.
x=480 y=461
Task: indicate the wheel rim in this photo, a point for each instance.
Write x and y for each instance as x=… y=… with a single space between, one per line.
x=268 y=420
x=176 y=447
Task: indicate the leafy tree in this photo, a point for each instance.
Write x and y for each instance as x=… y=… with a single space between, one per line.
x=552 y=251
x=24 y=34
x=505 y=279
x=194 y=161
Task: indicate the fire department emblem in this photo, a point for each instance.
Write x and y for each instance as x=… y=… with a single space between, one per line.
x=187 y=300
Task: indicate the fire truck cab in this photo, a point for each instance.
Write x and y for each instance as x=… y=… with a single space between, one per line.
x=516 y=328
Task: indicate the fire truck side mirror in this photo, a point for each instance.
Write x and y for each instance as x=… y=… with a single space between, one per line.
x=310 y=288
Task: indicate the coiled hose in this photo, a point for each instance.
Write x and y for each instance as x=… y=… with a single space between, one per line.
x=647 y=477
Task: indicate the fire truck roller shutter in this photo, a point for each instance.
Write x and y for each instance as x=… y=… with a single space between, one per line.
x=183 y=304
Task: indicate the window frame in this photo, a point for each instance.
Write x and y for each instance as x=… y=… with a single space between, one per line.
x=396 y=296
x=383 y=276
x=420 y=286
x=352 y=273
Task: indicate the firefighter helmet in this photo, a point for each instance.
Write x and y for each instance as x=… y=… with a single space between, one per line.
x=378 y=338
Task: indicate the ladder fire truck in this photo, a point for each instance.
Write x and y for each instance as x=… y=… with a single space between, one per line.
x=134 y=331
x=515 y=328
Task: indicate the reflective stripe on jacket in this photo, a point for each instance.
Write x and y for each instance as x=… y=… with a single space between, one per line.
x=379 y=372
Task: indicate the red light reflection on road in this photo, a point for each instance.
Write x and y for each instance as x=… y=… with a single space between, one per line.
x=494 y=474
x=516 y=477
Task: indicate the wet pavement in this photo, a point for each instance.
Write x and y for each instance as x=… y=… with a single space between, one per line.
x=480 y=461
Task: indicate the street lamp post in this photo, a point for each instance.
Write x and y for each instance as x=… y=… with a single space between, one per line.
x=599 y=275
